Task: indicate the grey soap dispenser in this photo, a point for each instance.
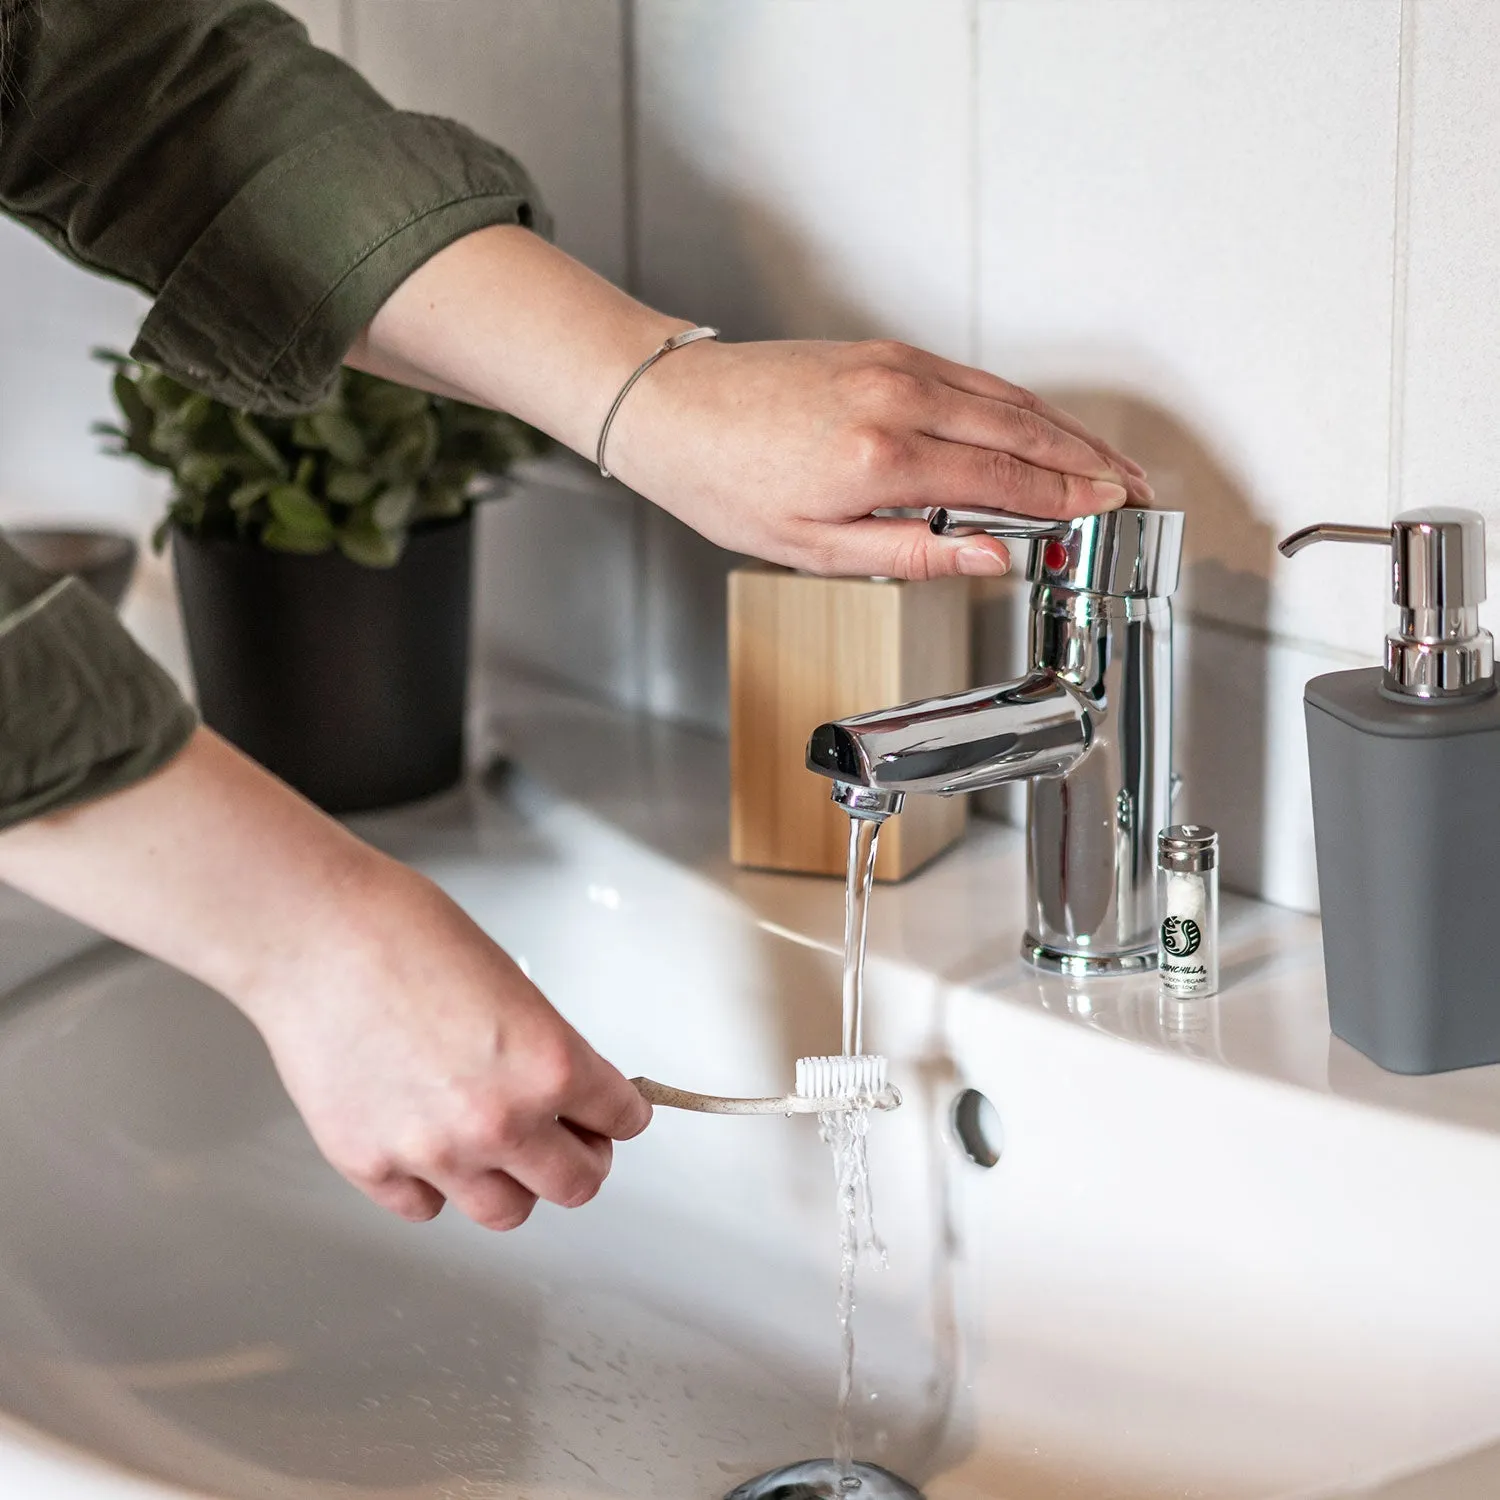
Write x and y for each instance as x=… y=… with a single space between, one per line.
x=1405 y=766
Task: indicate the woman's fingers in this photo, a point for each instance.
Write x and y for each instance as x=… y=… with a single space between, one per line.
x=408 y=1197
x=883 y=548
x=996 y=388
x=957 y=474
x=595 y=1096
x=493 y=1199
x=958 y=416
x=560 y=1165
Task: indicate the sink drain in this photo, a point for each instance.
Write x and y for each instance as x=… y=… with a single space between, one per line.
x=822 y=1479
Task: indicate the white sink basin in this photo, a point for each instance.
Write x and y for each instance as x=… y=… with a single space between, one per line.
x=1202 y=1276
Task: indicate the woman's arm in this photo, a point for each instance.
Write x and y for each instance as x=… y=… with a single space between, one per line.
x=426 y=1065
x=777 y=449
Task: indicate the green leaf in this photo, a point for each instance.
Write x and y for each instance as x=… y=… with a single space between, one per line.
x=192 y=413
x=362 y=542
x=440 y=501
x=162 y=532
x=341 y=437
x=288 y=539
x=109 y=357
x=349 y=486
x=248 y=431
x=138 y=415
x=394 y=506
x=200 y=471
x=296 y=513
x=380 y=401
x=411 y=449
x=307 y=469
x=160 y=392
x=251 y=493
x=187 y=510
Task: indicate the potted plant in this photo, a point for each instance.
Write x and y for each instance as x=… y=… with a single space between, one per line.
x=324 y=567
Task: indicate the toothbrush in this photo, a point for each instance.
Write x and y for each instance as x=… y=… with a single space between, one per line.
x=823 y=1084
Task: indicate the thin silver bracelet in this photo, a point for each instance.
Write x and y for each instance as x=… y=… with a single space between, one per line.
x=687 y=336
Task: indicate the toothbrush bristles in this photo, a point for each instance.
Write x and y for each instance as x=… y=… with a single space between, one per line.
x=849 y=1080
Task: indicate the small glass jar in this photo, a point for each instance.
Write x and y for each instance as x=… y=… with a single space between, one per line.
x=1187 y=883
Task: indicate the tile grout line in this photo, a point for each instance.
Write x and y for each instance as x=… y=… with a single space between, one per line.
x=1261 y=635
x=975 y=186
x=1400 y=249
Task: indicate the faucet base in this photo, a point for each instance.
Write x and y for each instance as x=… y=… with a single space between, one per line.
x=1087 y=965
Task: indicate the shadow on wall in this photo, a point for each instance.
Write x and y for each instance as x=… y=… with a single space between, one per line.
x=1222 y=623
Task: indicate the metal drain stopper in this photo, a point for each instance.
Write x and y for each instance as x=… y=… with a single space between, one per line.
x=823 y=1479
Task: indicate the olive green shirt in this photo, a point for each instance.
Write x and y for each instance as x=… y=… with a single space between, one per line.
x=269 y=200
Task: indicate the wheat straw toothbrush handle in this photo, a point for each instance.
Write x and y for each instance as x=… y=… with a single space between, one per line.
x=717 y=1104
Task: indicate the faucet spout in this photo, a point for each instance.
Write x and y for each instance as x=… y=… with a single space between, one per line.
x=868 y=803
x=962 y=742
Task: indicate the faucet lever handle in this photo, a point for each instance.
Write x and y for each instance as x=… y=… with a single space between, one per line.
x=1333 y=531
x=947 y=521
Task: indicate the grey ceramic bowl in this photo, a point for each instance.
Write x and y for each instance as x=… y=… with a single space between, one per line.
x=105 y=560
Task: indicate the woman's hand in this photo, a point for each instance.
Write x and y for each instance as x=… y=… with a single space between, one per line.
x=428 y=1066
x=784 y=450
x=424 y=1062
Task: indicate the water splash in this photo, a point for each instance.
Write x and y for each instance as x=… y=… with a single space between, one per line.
x=845 y=1132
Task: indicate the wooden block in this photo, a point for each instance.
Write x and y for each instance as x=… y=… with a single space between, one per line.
x=804 y=650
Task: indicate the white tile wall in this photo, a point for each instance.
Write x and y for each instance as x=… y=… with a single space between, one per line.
x=541 y=78
x=323 y=19
x=1186 y=228
x=558 y=571
x=806 y=168
x=1241 y=747
x=51 y=315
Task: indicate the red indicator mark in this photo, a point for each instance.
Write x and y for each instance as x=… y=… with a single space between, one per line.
x=1055 y=557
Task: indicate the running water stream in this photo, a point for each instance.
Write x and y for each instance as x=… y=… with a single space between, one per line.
x=864 y=840
x=845 y=1131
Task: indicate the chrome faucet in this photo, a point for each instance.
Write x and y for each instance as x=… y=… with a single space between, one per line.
x=1088 y=728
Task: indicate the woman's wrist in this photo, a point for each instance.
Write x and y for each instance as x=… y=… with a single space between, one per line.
x=504 y=319
x=353 y=906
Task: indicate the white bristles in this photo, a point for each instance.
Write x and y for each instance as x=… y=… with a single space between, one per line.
x=850 y=1079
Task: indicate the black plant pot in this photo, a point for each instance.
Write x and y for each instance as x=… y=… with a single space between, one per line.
x=348 y=682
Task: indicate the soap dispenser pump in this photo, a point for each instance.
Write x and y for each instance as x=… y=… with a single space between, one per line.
x=1405 y=763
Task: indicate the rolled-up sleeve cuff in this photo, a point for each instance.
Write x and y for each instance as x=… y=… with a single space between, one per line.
x=264 y=306
x=84 y=711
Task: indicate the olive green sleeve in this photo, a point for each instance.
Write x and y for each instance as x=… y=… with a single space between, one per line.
x=83 y=709
x=257 y=187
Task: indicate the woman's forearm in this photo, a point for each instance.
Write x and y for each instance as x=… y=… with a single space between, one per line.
x=782 y=449
x=504 y=319
x=425 y=1063
x=210 y=864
